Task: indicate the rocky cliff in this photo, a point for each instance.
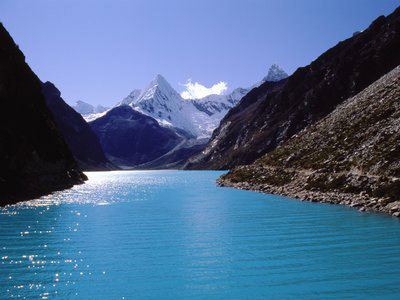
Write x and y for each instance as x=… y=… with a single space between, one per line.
x=80 y=138
x=269 y=115
x=350 y=157
x=34 y=158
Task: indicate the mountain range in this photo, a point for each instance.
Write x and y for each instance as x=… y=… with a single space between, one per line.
x=328 y=132
x=188 y=124
x=197 y=117
x=87 y=109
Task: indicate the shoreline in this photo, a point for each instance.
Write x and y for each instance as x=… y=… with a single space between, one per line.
x=362 y=201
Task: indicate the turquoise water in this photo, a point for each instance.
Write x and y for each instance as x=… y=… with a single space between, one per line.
x=175 y=235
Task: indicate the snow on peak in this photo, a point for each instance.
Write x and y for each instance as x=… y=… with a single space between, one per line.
x=160 y=101
x=198 y=117
x=131 y=97
x=85 y=108
x=100 y=108
x=198 y=111
x=275 y=73
x=158 y=85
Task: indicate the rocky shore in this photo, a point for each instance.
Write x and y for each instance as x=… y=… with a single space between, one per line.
x=301 y=185
x=351 y=157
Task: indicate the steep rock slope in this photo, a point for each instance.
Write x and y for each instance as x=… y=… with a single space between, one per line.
x=80 y=138
x=351 y=157
x=273 y=116
x=130 y=138
x=34 y=157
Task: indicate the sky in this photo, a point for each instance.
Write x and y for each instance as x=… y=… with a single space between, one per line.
x=98 y=51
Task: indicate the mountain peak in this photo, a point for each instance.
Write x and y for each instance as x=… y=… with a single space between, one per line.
x=159 y=78
x=86 y=109
x=83 y=108
x=159 y=83
x=275 y=73
x=132 y=97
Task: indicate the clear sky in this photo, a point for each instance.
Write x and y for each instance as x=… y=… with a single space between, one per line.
x=99 y=50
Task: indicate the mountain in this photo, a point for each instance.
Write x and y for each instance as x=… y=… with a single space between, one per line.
x=130 y=138
x=177 y=156
x=188 y=123
x=198 y=117
x=161 y=102
x=86 y=109
x=275 y=73
x=34 y=157
x=271 y=113
x=350 y=157
x=78 y=135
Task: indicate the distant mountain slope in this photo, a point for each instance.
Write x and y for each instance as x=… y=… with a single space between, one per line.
x=86 y=109
x=34 y=158
x=350 y=157
x=177 y=157
x=268 y=117
x=80 y=138
x=130 y=138
x=275 y=73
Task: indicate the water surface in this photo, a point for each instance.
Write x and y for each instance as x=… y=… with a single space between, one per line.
x=175 y=235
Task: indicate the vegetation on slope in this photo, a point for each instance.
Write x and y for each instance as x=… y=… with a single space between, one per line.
x=351 y=155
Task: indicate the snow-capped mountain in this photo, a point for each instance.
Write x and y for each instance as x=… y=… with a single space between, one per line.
x=197 y=117
x=131 y=97
x=86 y=109
x=207 y=112
x=275 y=73
x=161 y=102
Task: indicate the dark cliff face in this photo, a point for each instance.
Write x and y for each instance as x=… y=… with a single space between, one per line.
x=272 y=116
x=78 y=135
x=34 y=157
x=349 y=157
x=361 y=135
x=130 y=138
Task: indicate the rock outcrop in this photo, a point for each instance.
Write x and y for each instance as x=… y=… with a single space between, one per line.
x=80 y=138
x=34 y=158
x=350 y=157
x=269 y=115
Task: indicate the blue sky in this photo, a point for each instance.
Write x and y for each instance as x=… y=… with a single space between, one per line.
x=98 y=51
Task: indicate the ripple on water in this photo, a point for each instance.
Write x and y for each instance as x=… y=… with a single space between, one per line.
x=174 y=234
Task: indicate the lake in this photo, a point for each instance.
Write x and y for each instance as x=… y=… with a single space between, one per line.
x=176 y=235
